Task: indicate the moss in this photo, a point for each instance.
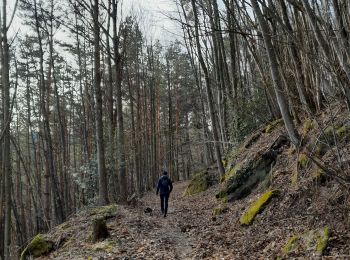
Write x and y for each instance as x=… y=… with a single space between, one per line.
x=290 y=244
x=310 y=243
x=307 y=126
x=224 y=199
x=224 y=162
x=198 y=184
x=104 y=210
x=256 y=207
x=317 y=174
x=341 y=131
x=271 y=126
x=89 y=258
x=37 y=247
x=230 y=173
x=294 y=178
x=221 y=209
x=302 y=160
x=322 y=240
x=246 y=175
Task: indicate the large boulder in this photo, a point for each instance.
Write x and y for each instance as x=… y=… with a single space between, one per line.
x=37 y=247
x=200 y=182
x=242 y=178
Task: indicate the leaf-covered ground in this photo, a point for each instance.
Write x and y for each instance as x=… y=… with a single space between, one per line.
x=189 y=232
x=304 y=206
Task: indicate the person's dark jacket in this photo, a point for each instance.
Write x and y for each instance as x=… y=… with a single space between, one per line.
x=165 y=185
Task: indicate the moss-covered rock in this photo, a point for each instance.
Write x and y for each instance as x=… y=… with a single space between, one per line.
x=311 y=243
x=200 y=182
x=230 y=173
x=241 y=179
x=37 y=247
x=272 y=125
x=256 y=207
x=103 y=211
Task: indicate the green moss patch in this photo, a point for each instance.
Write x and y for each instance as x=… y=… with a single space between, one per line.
x=37 y=247
x=311 y=243
x=302 y=160
x=200 y=182
x=245 y=176
x=104 y=211
x=322 y=240
x=256 y=207
x=307 y=126
x=290 y=244
x=230 y=173
x=294 y=178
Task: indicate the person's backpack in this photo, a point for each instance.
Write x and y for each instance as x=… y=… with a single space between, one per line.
x=164 y=182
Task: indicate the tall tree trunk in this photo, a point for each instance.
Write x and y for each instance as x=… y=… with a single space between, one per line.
x=103 y=191
x=6 y=152
x=276 y=76
x=122 y=178
x=209 y=93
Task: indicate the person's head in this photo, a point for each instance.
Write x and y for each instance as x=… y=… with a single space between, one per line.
x=165 y=173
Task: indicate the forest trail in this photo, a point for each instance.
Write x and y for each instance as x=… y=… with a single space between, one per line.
x=186 y=233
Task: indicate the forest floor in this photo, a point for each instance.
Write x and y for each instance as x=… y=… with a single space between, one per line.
x=190 y=231
x=287 y=228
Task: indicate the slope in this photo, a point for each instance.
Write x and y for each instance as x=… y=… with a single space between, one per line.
x=273 y=202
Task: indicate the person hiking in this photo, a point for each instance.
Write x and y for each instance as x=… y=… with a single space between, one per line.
x=164 y=187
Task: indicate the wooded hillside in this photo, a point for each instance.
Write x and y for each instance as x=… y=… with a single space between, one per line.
x=93 y=108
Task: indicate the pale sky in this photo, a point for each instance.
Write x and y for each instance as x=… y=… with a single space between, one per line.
x=152 y=19
x=160 y=27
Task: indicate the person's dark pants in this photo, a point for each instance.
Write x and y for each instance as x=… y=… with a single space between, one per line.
x=164 y=198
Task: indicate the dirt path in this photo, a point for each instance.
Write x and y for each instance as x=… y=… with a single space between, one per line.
x=188 y=232
x=157 y=237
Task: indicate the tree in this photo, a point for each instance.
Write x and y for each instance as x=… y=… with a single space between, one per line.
x=276 y=76
x=103 y=191
x=209 y=93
